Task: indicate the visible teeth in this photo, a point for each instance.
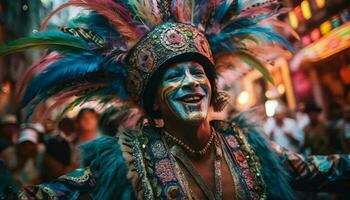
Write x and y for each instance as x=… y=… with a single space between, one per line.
x=188 y=99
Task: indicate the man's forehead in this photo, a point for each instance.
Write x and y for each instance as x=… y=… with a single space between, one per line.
x=185 y=64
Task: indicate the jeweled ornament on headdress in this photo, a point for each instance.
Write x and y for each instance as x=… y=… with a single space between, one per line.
x=113 y=52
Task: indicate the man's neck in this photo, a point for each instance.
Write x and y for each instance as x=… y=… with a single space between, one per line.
x=86 y=136
x=194 y=135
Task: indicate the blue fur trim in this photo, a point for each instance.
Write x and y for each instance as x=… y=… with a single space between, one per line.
x=106 y=161
x=275 y=175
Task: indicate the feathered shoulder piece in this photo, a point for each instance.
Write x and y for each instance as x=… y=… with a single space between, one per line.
x=113 y=52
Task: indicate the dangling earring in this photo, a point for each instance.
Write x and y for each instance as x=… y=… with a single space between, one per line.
x=221 y=100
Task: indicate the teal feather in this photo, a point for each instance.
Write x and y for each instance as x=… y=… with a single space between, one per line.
x=106 y=161
x=52 y=40
x=222 y=9
x=67 y=74
x=63 y=71
x=259 y=32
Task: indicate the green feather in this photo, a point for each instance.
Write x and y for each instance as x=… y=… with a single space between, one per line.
x=98 y=94
x=53 y=40
x=252 y=61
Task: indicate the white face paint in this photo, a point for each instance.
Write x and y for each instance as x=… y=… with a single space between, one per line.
x=185 y=91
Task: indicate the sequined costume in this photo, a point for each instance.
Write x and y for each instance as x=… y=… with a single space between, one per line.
x=143 y=166
x=118 y=52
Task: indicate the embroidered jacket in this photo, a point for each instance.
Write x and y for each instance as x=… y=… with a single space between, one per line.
x=142 y=166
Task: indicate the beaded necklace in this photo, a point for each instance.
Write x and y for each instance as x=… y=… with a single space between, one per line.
x=193 y=152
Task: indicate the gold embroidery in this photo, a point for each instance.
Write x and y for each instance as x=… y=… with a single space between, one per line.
x=252 y=158
x=48 y=191
x=81 y=179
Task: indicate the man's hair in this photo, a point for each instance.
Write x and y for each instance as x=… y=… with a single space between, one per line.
x=86 y=110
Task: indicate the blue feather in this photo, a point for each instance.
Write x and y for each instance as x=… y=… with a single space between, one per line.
x=219 y=44
x=73 y=66
x=117 y=84
x=105 y=157
x=96 y=23
x=222 y=9
x=68 y=71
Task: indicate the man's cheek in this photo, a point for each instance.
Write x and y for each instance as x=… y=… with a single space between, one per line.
x=167 y=89
x=174 y=106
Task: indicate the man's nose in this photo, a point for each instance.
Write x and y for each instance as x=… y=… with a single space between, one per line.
x=190 y=81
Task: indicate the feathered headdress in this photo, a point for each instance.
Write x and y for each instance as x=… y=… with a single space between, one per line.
x=114 y=51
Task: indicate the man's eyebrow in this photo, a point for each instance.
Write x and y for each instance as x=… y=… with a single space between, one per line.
x=171 y=70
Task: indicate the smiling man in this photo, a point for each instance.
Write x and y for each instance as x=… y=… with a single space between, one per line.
x=186 y=92
x=159 y=56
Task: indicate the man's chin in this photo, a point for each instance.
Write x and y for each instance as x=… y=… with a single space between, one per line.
x=193 y=118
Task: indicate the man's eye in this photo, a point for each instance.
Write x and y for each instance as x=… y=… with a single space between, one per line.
x=171 y=76
x=198 y=72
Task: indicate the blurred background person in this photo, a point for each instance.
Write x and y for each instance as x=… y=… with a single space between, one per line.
x=284 y=130
x=87 y=129
x=343 y=130
x=87 y=125
x=68 y=127
x=24 y=159
x=301 y=116
x=8 y=131
x=316 y=133
x=57 y=158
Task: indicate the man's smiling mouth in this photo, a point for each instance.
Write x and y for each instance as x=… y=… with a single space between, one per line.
x=193 y=99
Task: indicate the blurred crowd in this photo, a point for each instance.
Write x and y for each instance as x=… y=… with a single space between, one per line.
x=306 y=132
x=40 y=152
x=37 y=152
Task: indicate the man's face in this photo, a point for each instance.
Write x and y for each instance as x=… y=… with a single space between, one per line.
x=88 y=122
x=184 y=92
